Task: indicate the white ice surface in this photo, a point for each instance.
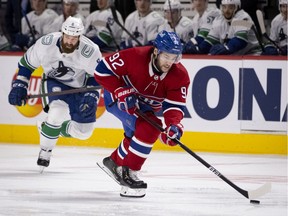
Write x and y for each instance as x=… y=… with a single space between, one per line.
x=177 y=184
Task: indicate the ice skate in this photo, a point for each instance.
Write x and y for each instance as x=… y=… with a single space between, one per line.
x=44 y=159
x=133 y=186
x=132 y=193
x=130 y=179
x=110 y=167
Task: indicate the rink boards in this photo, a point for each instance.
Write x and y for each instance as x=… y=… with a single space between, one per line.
x=234 y=104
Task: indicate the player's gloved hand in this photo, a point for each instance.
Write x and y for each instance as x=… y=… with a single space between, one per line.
x=172 y=132
x=219 y=49
x=21 y=40
x=270 y=50
x=283 y=50
x=126 y=99
x=18 y=93
x=88 y=104
x=191 y=47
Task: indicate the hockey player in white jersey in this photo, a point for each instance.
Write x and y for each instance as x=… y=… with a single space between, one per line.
x=37 y=19
x=174 y=21
x=278 y=31
x=226 y=39
x=201 y=25
x=102 y=29
x=68 y=59
x=143 y=23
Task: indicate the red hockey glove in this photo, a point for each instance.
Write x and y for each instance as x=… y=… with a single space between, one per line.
x=171 y=132
x=126 y=99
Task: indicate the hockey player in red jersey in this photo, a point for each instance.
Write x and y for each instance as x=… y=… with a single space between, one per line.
x=150 y=79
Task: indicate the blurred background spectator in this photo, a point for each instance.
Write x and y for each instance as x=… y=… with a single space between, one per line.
x=33 y=24
x=69 y=8
x=101 y=27
x=15 y=9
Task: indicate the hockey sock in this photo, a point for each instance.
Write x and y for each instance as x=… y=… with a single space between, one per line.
x=138 y=152
x=120 y=153
x=64 y=129
x=49 y=136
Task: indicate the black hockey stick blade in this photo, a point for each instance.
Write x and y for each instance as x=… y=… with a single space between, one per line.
x=264 y=189
x=70 y=91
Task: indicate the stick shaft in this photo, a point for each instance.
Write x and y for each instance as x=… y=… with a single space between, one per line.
x=263 y=29
x=70 y=91
x=210 y=167
x=114 y=14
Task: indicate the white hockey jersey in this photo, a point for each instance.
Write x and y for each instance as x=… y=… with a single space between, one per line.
x=278 y=30
x=96 y=25
x=183 y=28
x=205 y=21
x=38 y=23
x=56 y=25
x=144 y=29
x=70 y=69
x=222 y=31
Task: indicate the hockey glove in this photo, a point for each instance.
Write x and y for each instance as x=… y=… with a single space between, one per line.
x=126 y=99
x=220 y=49
x=172 y=132
x=191 y=47
x=88 y=104
x=18 y=93
x=283 y=50
x=270 y=50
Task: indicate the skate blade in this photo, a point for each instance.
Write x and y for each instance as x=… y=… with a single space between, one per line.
x=107 y=171
x=132 y=193
x=41 y=169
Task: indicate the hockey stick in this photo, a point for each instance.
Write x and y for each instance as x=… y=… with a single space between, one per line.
x=70 y=91
x=29 y=26
x=115 y=17
x=248 y=194
x=263 y=29
x=249 y=25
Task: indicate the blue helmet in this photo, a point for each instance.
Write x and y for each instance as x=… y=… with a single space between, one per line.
x=168 y=42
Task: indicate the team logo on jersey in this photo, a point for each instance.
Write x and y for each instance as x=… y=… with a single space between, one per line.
x=110 y=21
x=87 y=51
x=137 y=34
x=47 y=40
x=156 y=77
x=62 y=73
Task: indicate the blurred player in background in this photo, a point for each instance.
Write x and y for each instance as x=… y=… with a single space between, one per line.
x=226 y=39
x=33 y=27
x=174 y=21
x=102 y=29
x=150 y=79
x=201 y=24
x=69 y=8
x=68 y=59
x=143 y=24
x=278 y=31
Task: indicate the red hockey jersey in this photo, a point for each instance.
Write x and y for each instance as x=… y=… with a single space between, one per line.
x=133 y=67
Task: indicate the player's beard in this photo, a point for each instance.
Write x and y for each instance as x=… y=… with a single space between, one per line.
x=68 y=48
x=157 y=67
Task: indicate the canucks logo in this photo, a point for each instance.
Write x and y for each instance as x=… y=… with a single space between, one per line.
x=62 y=73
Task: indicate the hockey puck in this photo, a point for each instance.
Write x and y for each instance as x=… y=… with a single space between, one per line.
x=255 y=202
